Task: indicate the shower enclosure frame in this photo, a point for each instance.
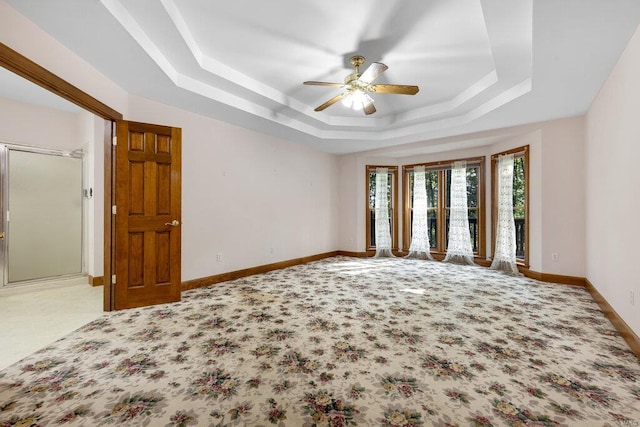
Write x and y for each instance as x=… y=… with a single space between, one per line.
x=5 y=231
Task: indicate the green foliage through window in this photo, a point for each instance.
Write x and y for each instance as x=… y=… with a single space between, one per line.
x=439 y=179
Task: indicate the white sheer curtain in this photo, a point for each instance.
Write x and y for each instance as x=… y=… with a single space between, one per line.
x=383 y=231
x=504 y=257
x=420 y=247
x=459 y=247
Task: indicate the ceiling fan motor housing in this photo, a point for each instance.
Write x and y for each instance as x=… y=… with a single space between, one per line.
x=351 y=77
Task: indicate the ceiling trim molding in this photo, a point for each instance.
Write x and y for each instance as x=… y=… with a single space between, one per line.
x=299 y=116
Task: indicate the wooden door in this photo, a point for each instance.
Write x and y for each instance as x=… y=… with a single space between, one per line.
x=147 y=214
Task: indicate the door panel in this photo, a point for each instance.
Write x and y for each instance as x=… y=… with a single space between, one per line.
x=148 y=214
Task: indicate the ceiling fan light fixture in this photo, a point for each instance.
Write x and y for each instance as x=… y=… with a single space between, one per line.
x=357 y=100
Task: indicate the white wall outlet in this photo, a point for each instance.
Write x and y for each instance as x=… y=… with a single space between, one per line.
x=555 y=257
x=219 y=257
x=271 y=250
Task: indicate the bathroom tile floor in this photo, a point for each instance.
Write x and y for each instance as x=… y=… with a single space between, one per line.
x=35 y=315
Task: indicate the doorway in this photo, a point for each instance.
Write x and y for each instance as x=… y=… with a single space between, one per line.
x=42 y=210
x=164 y=148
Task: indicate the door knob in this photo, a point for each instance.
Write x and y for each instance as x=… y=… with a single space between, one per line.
x=173 y=223
x=2 y=235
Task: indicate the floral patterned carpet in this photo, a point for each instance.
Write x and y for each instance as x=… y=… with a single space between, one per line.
x=342 y=341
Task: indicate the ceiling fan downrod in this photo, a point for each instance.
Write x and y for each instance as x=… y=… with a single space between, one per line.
x=356 y=61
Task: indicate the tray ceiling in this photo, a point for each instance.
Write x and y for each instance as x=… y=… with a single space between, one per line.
x=479 y=64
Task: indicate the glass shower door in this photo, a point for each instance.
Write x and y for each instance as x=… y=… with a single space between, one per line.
x=43 y=222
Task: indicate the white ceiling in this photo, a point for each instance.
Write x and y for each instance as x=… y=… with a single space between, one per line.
x=480 y=64
x=15 y=87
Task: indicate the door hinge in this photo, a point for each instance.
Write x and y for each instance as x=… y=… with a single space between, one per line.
x=113 y=278
x=114 y=141
x=113 y=210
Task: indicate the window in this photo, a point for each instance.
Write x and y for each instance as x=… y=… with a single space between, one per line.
x=392 y=191
x=520 y=200
x=438 y=182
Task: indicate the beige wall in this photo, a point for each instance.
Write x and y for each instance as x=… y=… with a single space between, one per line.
x=556 y=190
x=613 y=187
x=55 y=128
x=563 y=205
x=92 y=135
x=253 y=198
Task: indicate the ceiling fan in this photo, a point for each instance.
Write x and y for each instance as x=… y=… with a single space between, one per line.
x=357 y=86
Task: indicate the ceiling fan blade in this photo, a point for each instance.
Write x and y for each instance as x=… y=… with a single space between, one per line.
x=398 y=89
x=369 y=109
x=372 y=73
x=323 y=84
x=330 y=102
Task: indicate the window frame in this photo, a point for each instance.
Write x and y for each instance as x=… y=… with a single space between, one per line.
x=393 y=170
x=440 y=250
x=522 y=151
